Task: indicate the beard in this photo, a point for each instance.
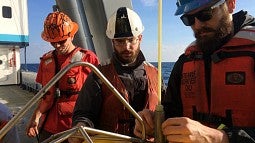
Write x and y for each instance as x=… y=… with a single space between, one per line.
x=131 y=58
x=210 y=43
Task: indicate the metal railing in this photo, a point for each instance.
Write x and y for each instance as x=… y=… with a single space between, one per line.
x=84 y=133
x=83 y=130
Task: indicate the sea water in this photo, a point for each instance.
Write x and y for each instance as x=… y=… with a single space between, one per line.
x=166 y=68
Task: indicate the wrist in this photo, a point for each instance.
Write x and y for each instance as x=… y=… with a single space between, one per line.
x=225 y=136
x=213 y=135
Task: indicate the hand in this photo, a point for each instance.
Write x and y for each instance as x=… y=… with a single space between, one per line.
x=33 y=125
x=148 y=120
x=32 y=129
x=183 y=129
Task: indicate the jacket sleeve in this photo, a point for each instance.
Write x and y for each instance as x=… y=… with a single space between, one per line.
x=172 y=100
x=88 y=104
x=90 y=57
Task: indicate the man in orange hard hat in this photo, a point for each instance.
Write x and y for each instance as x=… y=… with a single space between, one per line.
x=54 y=111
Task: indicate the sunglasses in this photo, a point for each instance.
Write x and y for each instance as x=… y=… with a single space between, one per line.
x=59 y=42
x=203 y=15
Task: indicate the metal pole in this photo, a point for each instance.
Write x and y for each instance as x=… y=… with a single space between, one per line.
x=25 y=54
x=159 y=112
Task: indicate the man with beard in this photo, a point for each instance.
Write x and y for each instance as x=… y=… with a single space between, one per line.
x=210 y=94
x=133 y=77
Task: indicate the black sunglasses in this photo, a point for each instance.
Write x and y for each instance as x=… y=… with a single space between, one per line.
x=203 y=15
x=59 y=42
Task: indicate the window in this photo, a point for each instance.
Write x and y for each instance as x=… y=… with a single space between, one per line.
x=7 y=12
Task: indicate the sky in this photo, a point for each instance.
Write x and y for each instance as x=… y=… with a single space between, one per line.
x=175 y=35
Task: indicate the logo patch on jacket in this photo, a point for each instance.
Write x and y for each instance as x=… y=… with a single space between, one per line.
x=48 y=61
x=71 y=80
x=235 y=78
x=188 y=82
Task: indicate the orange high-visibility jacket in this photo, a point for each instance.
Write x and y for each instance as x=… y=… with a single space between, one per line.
x=59 y=115
x=232 y=82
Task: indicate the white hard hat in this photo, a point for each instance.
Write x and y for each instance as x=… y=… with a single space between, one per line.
x=124 y=23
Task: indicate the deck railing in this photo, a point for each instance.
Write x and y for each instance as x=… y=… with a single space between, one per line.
x=70 y=132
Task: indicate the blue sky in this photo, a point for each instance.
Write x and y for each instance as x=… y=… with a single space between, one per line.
x=175 y=36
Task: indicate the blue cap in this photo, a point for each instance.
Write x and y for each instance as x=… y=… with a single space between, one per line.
x=185 y=6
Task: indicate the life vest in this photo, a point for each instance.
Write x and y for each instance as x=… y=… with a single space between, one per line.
x=60 y=113
x=231 y=86
x=115 y=117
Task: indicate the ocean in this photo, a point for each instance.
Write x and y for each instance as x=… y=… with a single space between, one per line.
x=166 y=68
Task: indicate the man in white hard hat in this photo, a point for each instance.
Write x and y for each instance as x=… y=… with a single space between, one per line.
x=128 y=72
x=210 y=93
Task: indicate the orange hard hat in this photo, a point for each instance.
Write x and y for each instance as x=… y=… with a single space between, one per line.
x=58 y=27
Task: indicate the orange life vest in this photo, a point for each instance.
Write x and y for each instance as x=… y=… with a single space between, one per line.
x=113 y=111
x=231 y=87
x=60 y=113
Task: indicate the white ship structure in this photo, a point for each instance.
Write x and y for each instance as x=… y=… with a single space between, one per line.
x=13 y=37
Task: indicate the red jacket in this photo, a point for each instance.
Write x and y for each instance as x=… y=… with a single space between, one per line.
x=60 y=113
